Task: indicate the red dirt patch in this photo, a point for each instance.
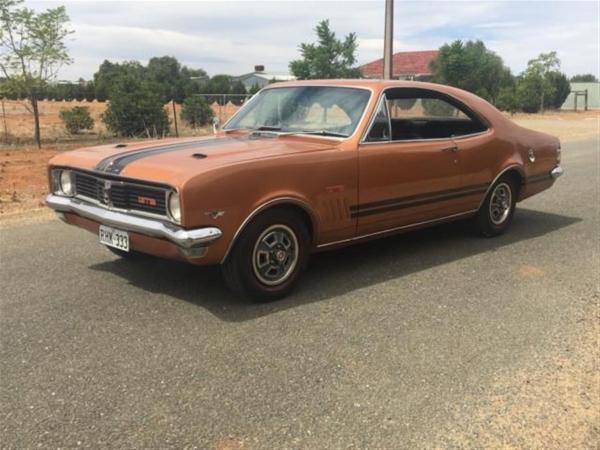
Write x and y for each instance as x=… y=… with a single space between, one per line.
x=23 y=179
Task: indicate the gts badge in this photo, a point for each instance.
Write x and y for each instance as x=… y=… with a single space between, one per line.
x=149 y=201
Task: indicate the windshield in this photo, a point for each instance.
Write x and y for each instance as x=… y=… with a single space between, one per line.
x=304 y=109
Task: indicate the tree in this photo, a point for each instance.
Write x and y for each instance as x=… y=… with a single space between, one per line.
x=541 y=67
x=108 y=74
x=193 y=81
x=254 y=89
x=584 y=78
x=196 y=111
x=218 y=84
x=90 y=91
x=239 y=91
x=76 y=119
x=328 y=58
x=32 y=50
x=561 y=87
x=507 y=99
x=166 y=73
x=135 y=108
x=472 y=67
x=530 y=91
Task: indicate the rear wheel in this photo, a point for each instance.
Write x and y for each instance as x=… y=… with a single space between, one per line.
x=496 y=212
x=269 y=256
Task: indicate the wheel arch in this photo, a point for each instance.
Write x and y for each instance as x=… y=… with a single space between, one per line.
x=290 y=203
x=513 y=170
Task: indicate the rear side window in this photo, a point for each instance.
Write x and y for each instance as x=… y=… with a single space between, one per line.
x=424 y=114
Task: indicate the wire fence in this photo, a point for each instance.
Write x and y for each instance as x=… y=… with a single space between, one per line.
x=225 y=111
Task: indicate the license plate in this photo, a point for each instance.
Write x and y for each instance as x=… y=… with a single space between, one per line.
x=114 y=238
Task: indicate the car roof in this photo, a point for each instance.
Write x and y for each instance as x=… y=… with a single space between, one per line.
x=360 y=82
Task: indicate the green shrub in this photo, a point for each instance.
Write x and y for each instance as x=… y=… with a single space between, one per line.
x=507 y=100
x=196 y=111
x=136 y=109
x=76 y=119
x=561 y=88
x=530 y=89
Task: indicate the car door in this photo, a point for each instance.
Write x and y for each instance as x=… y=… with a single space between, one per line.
x=409 y=163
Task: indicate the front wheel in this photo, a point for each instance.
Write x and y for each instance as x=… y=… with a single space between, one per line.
x=269 y=256
x=496 y=212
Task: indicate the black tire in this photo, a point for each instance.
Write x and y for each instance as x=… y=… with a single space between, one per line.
x=241 y=268
x=495 y=220
x=130 y=255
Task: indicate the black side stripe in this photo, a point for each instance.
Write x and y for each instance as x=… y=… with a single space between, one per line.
x=115 y=164
x=384 y=206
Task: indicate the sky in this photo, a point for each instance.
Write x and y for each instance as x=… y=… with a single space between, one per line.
x=232 y=36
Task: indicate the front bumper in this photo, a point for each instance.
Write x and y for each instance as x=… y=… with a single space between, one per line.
x=191 y=242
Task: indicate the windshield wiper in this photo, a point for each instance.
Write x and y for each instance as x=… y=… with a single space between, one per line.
x=323 y=133
x=266 y=128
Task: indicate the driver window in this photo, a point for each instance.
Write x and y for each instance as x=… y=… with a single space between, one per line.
x=380 y=128
x=419 y=114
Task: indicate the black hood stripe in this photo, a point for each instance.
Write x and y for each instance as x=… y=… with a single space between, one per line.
x=115 y=164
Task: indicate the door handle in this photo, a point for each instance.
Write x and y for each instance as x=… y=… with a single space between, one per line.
x=453 y=149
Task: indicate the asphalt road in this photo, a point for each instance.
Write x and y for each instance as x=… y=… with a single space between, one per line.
x=384 y=345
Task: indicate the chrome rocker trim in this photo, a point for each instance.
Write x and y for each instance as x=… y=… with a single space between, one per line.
x=557 y=172
x=185 y=239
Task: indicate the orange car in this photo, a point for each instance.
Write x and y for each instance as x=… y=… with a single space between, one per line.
x=306 y=166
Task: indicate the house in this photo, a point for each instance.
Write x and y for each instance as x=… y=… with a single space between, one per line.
x=261 y=78
x=405 y=66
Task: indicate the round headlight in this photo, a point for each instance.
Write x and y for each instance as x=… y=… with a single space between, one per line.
x=174 y=207
x=66 y=182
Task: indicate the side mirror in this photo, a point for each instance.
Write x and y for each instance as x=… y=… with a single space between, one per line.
x=216 y=124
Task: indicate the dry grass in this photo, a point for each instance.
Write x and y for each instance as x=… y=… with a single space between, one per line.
x=19 y=122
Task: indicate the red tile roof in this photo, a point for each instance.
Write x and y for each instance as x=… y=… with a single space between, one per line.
x=404 y=64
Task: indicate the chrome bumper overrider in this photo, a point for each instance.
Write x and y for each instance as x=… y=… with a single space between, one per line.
x=185 y=239
x=556 y=172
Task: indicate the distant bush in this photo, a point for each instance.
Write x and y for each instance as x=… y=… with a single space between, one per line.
x=76 y=119
x=135 y=109
x=561 y=88
x=507 y=100
x=584 y=78
x=196 y=111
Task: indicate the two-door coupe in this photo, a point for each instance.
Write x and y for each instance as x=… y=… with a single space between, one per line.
x=306 y=166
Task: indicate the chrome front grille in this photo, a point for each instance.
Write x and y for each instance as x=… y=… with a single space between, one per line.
x=121 y=195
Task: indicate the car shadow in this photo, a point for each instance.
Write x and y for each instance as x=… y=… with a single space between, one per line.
x=334 y=273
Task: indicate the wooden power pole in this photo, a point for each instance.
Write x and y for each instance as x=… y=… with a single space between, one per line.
x=388 y=40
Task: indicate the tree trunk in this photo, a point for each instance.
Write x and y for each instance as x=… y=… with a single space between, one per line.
x=175 y=118
x=36 y=119
x=4 y=120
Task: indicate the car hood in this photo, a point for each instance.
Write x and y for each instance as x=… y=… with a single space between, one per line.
x=173 y=161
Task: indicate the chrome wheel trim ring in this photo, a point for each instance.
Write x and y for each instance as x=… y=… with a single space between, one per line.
x=275 y=255
x=500 y=203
